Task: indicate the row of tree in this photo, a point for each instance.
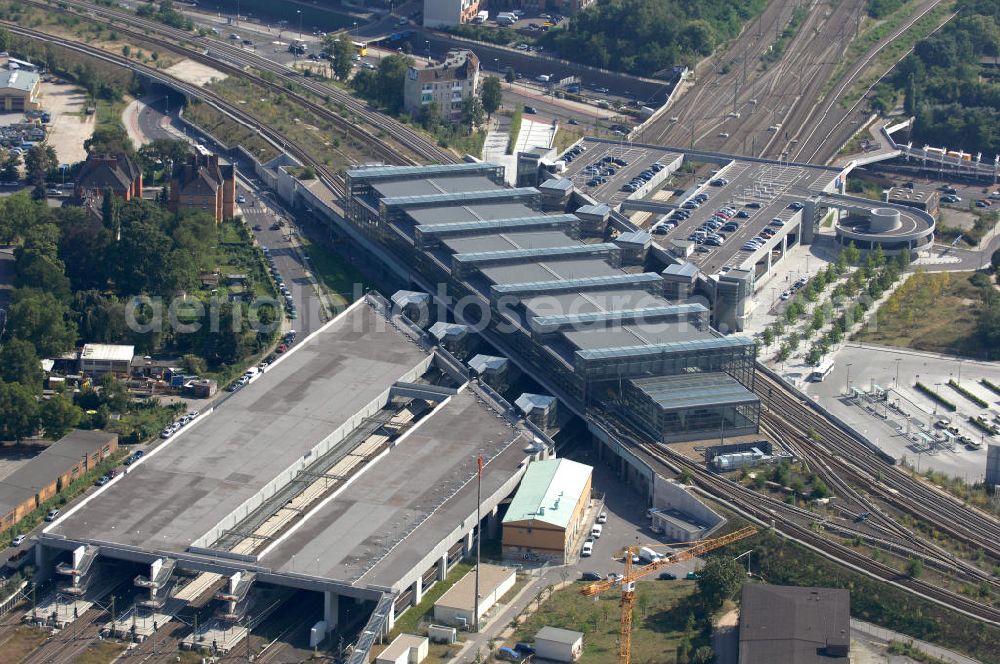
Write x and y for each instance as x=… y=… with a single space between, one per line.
x=948 y=87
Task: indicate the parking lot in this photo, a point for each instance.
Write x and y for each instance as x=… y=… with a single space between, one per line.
x=870 y=368
x=637 y=159
x=627 y=525
x=758 y=193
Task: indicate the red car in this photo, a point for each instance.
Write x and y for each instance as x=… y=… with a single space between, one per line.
x=281 y=348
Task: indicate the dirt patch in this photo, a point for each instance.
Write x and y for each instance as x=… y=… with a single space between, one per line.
x=194 y=73
x=957 y=218
x=70 y=125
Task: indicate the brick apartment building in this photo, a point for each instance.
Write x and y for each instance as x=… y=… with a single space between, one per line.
x=203 y=184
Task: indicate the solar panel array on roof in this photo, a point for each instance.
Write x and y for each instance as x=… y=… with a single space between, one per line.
x=459 y=197
x=509 y=240
x=445 y=214
x=552 y=323
x=611 y=353
x=565 y=271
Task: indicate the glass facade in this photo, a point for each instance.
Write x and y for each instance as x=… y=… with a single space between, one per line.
x=601 y=375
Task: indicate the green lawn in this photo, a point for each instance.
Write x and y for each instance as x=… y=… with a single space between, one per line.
x=102 y=652
x=334 y=272
x=932 y=312
x=658 y=622
x=21 y=643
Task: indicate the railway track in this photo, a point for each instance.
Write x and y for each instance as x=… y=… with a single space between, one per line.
x=883 y=480
x=776 y=514
x=235 y=60
x=869 y=518
x=331 y=178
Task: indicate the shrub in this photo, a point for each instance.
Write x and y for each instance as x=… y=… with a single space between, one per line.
x=936 y=397
x=967 y=394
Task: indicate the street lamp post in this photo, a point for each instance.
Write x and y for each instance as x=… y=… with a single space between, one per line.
x=299 y=12
x=847 y=387
x=896 y=381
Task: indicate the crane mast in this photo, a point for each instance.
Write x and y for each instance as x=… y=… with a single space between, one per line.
x=633 y=573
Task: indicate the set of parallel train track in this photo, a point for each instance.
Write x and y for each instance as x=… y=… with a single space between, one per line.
x=840 y=458
x=403 y=146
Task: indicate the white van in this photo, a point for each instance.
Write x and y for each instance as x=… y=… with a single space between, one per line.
x=596 y=531
x=647 y=555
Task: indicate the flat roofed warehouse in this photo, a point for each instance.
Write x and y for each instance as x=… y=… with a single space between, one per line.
x=788 y=624
x=304 y=478
x=546 y=516
x=65 y=460
x=184 y=491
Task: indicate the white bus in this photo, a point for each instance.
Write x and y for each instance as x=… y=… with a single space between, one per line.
x=821 y=371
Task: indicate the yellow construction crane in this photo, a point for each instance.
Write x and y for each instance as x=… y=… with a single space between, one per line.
x=631 y=574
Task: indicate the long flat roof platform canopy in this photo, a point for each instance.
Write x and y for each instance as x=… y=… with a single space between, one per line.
x=184 y=489
x=380 y=527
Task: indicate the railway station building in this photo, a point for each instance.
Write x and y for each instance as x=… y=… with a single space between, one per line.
x=303 y=481
x=547 y=290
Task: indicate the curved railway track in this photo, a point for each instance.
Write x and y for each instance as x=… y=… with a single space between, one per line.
x=235 y=59
x=884 y=481
x=331 y=178
x=777 y=514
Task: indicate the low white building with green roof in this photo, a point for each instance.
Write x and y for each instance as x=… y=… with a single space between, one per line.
x=547 y=517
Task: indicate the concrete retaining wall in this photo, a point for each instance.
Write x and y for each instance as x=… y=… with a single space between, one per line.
x=671 y=495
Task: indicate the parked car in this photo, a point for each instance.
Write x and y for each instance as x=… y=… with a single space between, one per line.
x=590 y=576
x=588 y=548
x=524 y=648
x=530 y=110
x=667 y=576
x=602 y=517
x=52 y=515
x=508 y=654
x=19 y=540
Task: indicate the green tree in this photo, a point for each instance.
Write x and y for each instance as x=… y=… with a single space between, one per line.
x=820 y=489
x=341 y=54
x=38 y=161
x=510 y=75
x=767 y=336
x=391 y=76
x=852 y=254
x=42 y=319
x=11 y=169
x=36 y=269
x=18 y=412
x=721 y=578
x=915 y=568
x=114 y=394
x=58 y=415
x=4 y=39
x=19 y=363
x=703 y=655
x=995 y=260
x=472 y=112
x=492 y=95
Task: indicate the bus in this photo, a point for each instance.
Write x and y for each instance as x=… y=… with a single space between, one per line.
x=821 y=371
x=361 y=48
